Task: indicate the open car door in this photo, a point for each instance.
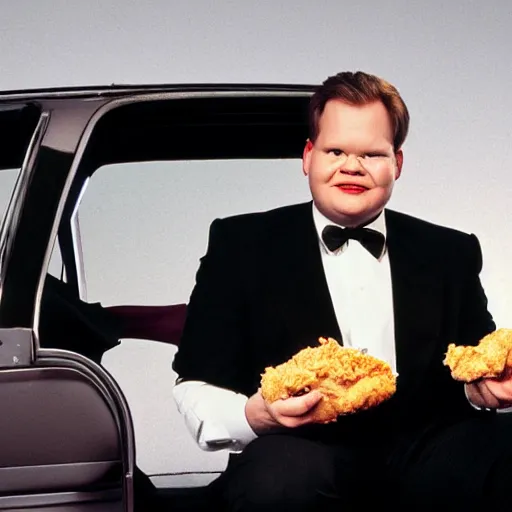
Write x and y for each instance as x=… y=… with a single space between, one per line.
x=69 y=135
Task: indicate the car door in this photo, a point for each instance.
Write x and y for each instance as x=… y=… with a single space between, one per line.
x=120 y=205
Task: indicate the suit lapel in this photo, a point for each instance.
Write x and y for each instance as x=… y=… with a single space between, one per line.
x=417 y=301
x=309 y=309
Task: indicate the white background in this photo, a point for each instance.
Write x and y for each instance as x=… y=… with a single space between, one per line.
x=450 y=61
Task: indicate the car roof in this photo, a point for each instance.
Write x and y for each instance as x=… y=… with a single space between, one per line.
x=118 y=90
x=272 y=117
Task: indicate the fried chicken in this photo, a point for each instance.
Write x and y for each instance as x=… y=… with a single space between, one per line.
x=488 y=359
x=348 y=379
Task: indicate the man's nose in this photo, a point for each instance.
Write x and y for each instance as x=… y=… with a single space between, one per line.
x=352 y=165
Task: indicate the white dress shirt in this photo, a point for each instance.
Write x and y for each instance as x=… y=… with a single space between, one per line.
x=361 y=292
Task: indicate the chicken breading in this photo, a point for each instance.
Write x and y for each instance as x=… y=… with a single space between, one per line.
x=348 y=379
x=486 y=360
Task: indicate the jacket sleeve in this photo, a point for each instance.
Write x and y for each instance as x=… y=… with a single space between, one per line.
x=475 y=319
x=212 y=344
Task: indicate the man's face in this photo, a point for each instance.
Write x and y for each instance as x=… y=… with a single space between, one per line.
x=352 y=166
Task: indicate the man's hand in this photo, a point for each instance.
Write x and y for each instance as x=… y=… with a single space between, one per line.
x=290 y=413
x=495 y=393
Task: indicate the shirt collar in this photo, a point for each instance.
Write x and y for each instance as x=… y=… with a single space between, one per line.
x=321 y=221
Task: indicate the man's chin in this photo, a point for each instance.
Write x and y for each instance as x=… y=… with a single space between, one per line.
x=352 y=218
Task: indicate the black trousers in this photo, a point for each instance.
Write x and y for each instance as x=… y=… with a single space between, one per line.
x=466 y=466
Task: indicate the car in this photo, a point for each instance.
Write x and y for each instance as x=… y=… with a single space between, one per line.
x=68 y=424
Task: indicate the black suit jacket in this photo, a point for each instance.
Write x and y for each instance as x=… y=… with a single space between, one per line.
x=261 y=295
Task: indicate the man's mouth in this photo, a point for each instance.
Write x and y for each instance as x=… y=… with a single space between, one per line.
x=352 y=189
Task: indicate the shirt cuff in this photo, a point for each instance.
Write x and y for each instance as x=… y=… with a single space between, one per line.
x=214 y=416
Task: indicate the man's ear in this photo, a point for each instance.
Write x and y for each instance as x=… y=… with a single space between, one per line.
x=306 y=157
x=399 y=155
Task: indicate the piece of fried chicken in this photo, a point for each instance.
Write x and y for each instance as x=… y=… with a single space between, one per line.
x=488 y=359
x=348 y=379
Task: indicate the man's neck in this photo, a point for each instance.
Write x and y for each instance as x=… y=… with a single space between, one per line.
x=348 y=223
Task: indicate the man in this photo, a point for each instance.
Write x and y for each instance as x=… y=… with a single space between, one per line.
x=271 y=283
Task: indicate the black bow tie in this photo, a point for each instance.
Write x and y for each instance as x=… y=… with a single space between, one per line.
x=334 y=237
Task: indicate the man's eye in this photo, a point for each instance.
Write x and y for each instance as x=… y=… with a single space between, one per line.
x=336 y=152
x=375 y=155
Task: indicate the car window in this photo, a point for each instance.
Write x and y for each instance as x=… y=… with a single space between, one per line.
x=8 y=179
x=17 y=125
x=144 y=227
x=56 y=268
